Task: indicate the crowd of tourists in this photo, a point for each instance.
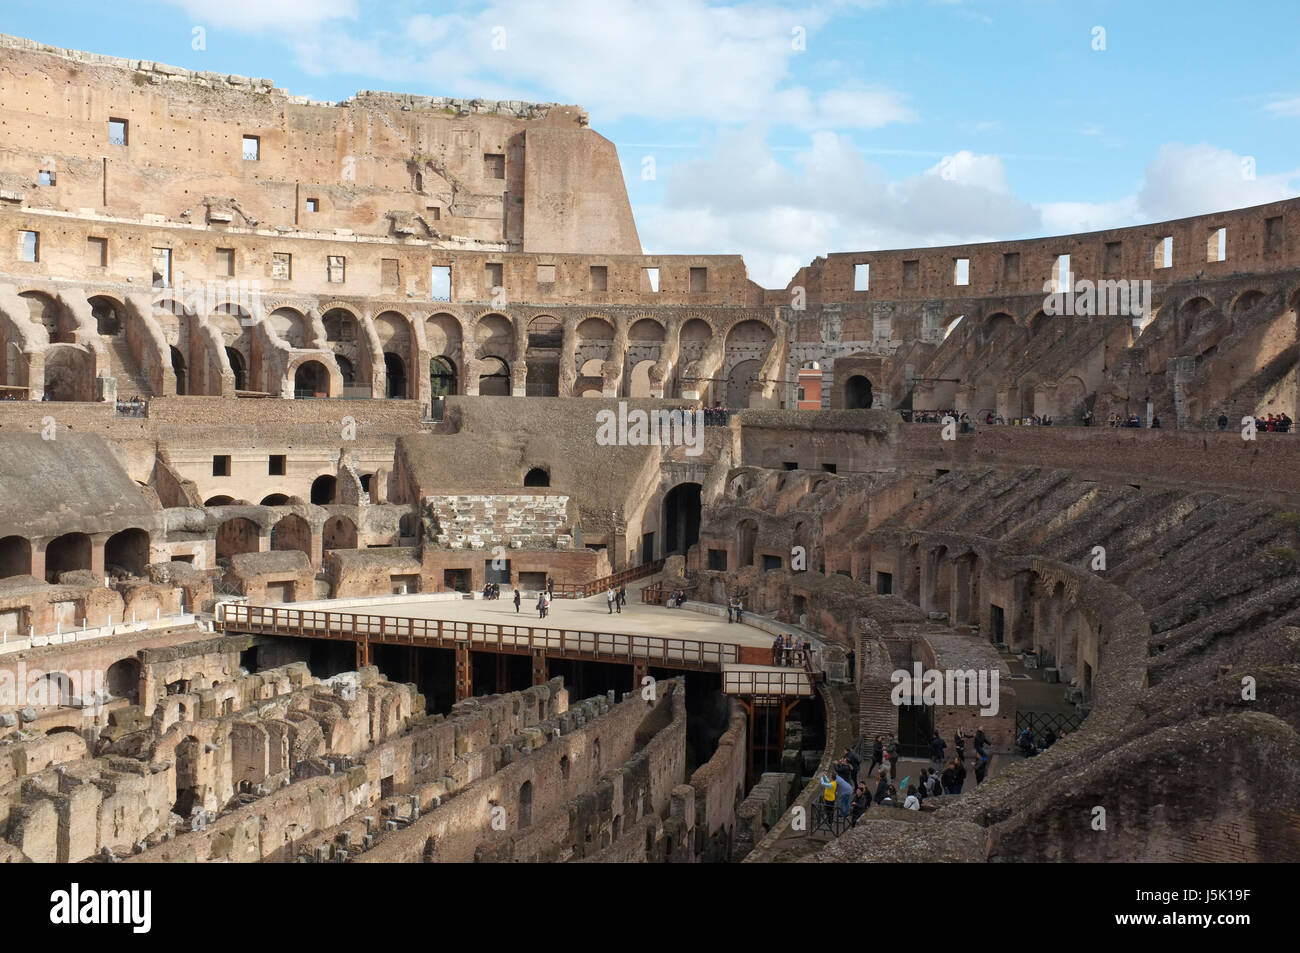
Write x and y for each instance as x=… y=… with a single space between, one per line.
x=616 y=599
x=847 y=795
x=719 y=415
x=135 y=407
x=1269 y=423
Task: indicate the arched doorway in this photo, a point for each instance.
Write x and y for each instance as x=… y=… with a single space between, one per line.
x=292 y=532
x=311 y=379
x=123 y=678
x=235 y=536
x=178 y=368
x=494 y=378
x=340 y=533
x=67 y=553
x=395 y=369
x=857 y=393
x=15 y=556
x=104 y=311
x=127 y=551
x=740 y=383
x=746 y=536
x=442 y=377
x=237 y=368
x=275 y=499
x=681 y=518
x=537 y=477
x=322 y=489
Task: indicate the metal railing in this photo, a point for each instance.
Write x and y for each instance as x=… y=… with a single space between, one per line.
x=444 y=633
x=1039 y=722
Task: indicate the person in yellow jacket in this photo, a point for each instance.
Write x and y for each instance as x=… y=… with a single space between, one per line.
x=828 y=796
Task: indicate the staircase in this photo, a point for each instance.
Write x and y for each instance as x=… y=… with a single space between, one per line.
x=123 y=366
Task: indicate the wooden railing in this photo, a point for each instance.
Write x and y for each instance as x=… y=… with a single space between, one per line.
x=780 y=682
x=670 y=652
x=657 y=595
x=582 y=590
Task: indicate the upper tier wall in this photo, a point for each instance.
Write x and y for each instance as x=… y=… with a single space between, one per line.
x=1263 y=238
x=376 y=163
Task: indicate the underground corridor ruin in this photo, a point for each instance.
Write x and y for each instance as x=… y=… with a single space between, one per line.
x=289 y=419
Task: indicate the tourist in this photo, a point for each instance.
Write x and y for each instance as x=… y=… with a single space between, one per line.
x=981 y=769
x=550 y=588
x=829 y=785
x=923 y=784
x=843 y=794
x=787 y=650
x=622 y=597
x=776 y=651
x=731 y=612
x=860 y=803
x=937 y=748
x=610 y=596
x=959 y=774
x=740 y=610
x=517 y=600
x=949 y=778
x=981 y=742
x=854 y=762
x=912 y=802
x=1223 y=421
x=882 y=789
x=891 y=749
x=541 y=605
x=877 y=753
x=933 y=788
x=1049 y=739
x=959 y=739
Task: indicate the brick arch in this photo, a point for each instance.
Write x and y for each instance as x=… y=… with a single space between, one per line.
x=1246 y=300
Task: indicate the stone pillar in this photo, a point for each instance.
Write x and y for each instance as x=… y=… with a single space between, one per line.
x=464 y=672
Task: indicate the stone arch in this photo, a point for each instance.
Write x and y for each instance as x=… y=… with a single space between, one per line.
x=221 y=500
x=1245 y=301
x=395 y=375
x=746 y=347
x=494 y=377
x=1042 y=321
x=275 y=499
x=15 y=556
x=638 y=380
x=1189 y=312
x=1071 y=394
x=238 y=367
x=44 y=309
x=67 y=553
x=237 y=535
x=858 y=394
x=340 y=533
x=742 y=379
x=311 y=379
x=997 y=323
x=341 y=326
x=289 y=325
x=545 y=341
x=122 y=678
x=292 y=532
x=537 y=476
x=107 y=312
x=494 y=334
x=127 y=550
x=323 y=489
x=593 y=340
x=694 y=338
x=442 y=377
x=69 y=373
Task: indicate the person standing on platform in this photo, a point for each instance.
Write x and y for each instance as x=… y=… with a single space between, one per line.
x=517 y=600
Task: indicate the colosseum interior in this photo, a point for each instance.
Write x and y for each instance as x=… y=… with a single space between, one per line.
x=291 y=388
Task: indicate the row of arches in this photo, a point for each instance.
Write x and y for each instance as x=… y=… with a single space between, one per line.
x=125 y=553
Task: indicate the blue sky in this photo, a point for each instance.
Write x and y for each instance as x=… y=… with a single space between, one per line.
x=898 y=123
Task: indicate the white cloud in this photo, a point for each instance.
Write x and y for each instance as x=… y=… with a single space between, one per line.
x=671 y=60
x=1284 y=107
x=252 y=15
x=740 y=199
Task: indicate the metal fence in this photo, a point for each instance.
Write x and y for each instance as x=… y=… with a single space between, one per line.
x=1039 y=722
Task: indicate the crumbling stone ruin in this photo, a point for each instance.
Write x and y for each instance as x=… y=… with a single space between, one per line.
x=266 y=399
